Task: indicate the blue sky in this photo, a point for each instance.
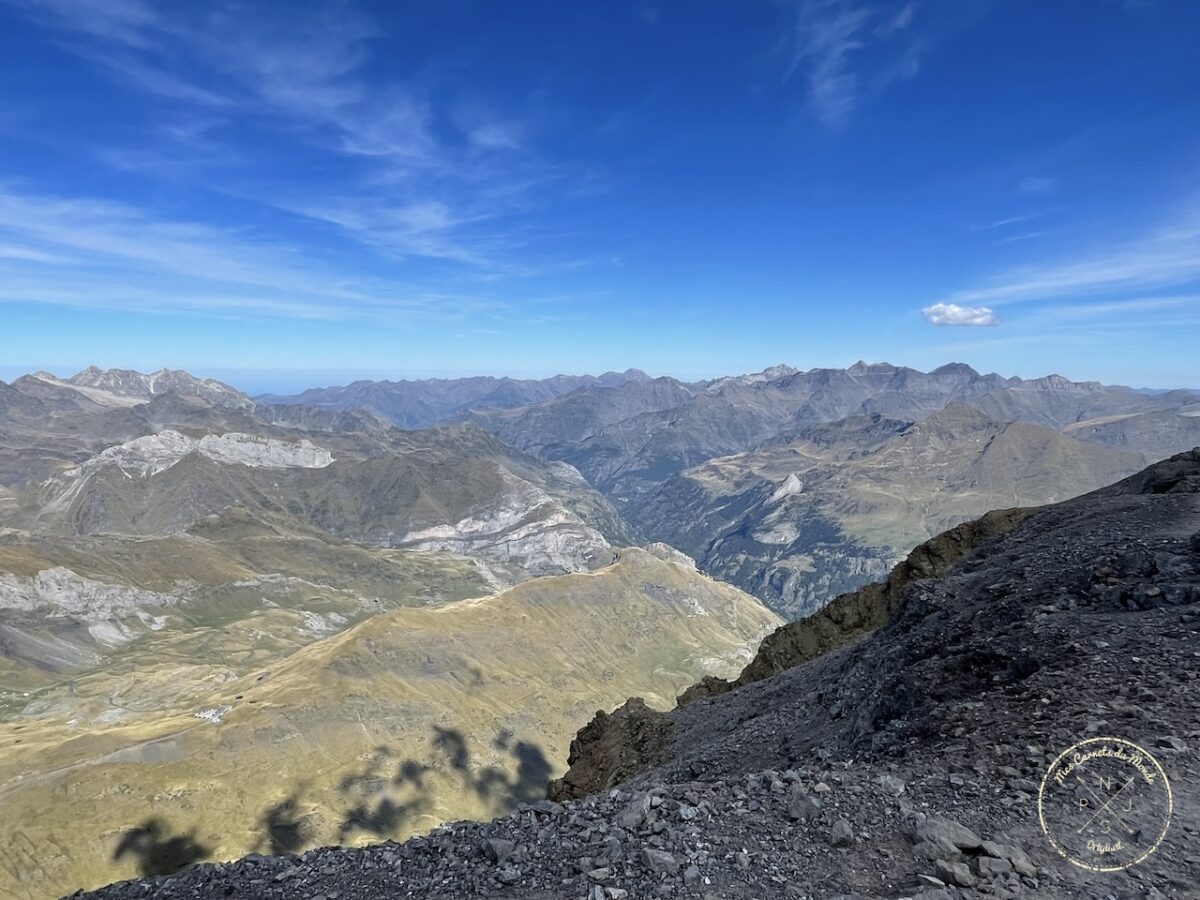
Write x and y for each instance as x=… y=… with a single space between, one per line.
x=292 y=194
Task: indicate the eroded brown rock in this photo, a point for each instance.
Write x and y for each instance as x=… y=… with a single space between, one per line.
x=611 y=748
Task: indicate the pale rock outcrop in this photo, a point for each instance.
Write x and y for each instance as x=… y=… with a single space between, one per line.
x=147 y=456
x=60 y=592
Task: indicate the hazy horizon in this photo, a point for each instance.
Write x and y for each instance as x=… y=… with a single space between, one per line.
x=293 y=381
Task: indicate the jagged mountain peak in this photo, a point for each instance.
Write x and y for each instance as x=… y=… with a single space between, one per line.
x=768 y=376
x=955 y=368
x=862 y=367
x=132 y=383
x=781 y=370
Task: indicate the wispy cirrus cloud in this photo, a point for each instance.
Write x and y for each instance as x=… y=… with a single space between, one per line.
x=829 y=34
x=1006 y=221
x=100 y=228
x=1005 y=227
x=116 y=256
x=410 y=179
x=124 y=21
x=1140 y=308
x=28 y=254
x=427 y=228
x=951 y=314
x=221 y=54
x=1019 y=237
x=1166 y=256
x=301 y=67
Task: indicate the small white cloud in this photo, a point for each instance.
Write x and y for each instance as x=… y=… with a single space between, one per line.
x=953 y=314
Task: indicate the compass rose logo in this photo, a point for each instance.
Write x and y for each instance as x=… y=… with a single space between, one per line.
x=1105 y=804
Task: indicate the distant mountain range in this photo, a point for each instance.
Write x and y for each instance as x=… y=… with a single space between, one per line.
x=794 y=485
x=420 y=404
x=862 y=463
x=644 y=435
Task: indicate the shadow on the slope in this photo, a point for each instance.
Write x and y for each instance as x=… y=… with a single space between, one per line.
x=383 y=801
x=157 y=851
x=284 y=829
x=388 y=794
x=383 y=797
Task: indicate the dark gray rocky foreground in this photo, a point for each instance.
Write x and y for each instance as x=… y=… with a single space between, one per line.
x=807 y=833
x=904 y=763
